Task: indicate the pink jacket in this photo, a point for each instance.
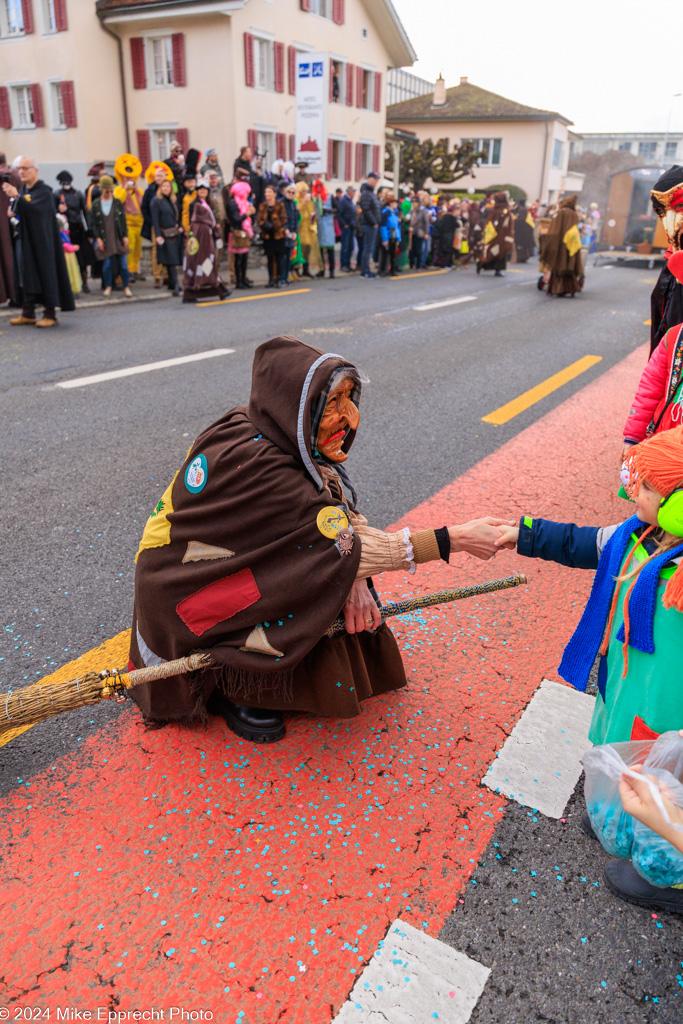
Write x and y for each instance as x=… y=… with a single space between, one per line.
x=650 y=398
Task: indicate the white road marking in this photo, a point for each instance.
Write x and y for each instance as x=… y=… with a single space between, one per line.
x=129 y=371
x=540 y=762
x=445 y=302
x=413 y=978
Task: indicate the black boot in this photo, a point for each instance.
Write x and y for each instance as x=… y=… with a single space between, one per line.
x=625 y=882
x=258 y=725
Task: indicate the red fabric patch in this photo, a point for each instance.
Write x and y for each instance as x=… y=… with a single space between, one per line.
x=641 y=731
x=131 y=666
x=219 y=601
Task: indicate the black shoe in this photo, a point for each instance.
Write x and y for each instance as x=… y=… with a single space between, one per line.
x=271 y=284
x=255 y=724
x=176 y=291
x=246 y=283
x=585 y=826
x=540 y=283
x=500 y=273
x=224 y=294
x=624 y=881
x=86 y=288
x=478 y=268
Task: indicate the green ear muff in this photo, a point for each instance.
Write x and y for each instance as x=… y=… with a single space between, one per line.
x=670 y=515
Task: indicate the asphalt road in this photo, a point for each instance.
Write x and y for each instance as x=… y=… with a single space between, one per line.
x=83 y=467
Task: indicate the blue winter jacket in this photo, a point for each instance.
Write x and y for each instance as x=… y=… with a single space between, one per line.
x=390 y=226
x=346 y=212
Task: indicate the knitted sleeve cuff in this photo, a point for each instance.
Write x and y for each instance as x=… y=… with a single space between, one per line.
x=425 y=546
x=525 y=543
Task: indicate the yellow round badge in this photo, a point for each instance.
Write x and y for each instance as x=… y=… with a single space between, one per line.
x=193 y=245
x=331 y=520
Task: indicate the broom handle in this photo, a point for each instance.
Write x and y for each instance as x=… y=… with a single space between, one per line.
x=163 y=671
x=412 y=604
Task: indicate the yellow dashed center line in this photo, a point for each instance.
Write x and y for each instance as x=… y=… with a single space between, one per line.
x=535 y=394
x=251 y=298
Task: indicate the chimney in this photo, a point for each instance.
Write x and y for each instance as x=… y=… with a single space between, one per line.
x=439 y=99
x=463 y=79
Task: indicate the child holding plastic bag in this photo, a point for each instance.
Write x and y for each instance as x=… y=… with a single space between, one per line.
x=631 y=630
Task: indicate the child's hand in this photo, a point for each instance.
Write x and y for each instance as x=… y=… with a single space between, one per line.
x=509 y=535
x=637 y=799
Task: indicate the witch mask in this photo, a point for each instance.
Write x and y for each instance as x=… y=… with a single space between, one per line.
x=669 y=208
x=340 y=416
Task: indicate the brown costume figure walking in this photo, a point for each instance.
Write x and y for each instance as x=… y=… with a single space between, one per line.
x=561 y=251
x=498 y=236
x=254 y=549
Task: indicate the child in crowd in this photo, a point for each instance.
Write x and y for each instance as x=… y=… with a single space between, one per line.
x=658 y=402
x=631 y=630
x=70 y=250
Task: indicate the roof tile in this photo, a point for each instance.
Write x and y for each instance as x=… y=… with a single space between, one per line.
x=467 y=102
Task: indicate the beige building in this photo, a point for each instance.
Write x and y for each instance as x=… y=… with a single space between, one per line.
x=524 y=146
x=82 y=80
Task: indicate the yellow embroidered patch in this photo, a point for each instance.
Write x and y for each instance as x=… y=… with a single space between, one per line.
x=157 y=530
x=572 y=239
x=489 y=233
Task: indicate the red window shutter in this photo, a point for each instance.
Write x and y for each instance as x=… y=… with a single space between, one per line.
x=144 y=149
x=359 y=161
x=137 y=56
x=378 y=90
x=305 y=5
x=350 y=72
x=292 y=145
x=37 y=104
x=249 y=77
x=359 y=87
x=281 y=145
x=182 y=135
x=178 y=45
x=375 y=159
x=5 y=110
x=291 y=60
x=338 y=12
x=69 y=104
x=252 y=140
x=348 y=161
x=279 y=66
x=60 y=16
x=27 y=15
x=330 y=158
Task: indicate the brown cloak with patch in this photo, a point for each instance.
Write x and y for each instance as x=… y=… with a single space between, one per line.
x=566 y=271
x=232 y=561
x=497 y=251
x=200 y=265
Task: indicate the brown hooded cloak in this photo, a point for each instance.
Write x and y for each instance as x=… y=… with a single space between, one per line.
x=496 y=251
x=201 y=278
x=232 y=560
x=566 y=267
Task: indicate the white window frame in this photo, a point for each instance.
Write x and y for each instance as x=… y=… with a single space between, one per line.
x=558 y=153
x=12 y=89
x=323 y=9
x=267 y=41
x=479 y=145
x=48 y=17
x=157 y=151
x=671 y=144
x=366 y=163
x=150 y=69
x=4 y=19
x=57 y=120
x=366 y=69
x=265 y=141
x=343 y=77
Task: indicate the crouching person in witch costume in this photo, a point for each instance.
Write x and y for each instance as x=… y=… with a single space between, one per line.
x=254 y=550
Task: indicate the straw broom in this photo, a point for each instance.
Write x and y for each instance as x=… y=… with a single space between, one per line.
x=35 y=703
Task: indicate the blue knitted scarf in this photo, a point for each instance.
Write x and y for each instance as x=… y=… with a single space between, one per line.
x=581 y=651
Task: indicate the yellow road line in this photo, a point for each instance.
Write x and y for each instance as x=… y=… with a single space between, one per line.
x=250 y=298
x=421 y=273
x=112 y=653
x=533 y=395
x=647 y=323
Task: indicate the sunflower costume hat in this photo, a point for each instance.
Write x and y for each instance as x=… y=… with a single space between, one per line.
x=127 y=167
x=154 y=167
x=659 y=460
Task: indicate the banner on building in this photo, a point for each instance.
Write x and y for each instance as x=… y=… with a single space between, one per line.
x=312 y=97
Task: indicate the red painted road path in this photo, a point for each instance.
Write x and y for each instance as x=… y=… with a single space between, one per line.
x=180 y=868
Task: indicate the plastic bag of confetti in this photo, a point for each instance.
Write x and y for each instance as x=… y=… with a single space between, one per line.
x=604 y=766
x=653 y=857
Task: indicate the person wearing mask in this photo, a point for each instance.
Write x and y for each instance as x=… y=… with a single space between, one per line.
x=324 y=212
x=201 y=279
x=167 y=231
x=390 y=233
x=217 y=205
x=272 y=221
x=240 y=211
x=110 y=232
x=308 y=232
x=371 y=214
x=131 y=197
x=346 y=217
x=176 y=161
x=291 y=229
x=212 y=166
x=43 y=277
x=77 y=218
x=158 y=269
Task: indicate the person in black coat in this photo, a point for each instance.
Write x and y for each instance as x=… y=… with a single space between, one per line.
x=42 y=274
x=77 y=217
x=291 y=227
x=158 y=270
x=167 y=232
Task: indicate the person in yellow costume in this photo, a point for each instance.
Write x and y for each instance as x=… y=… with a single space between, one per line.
x=131 y=196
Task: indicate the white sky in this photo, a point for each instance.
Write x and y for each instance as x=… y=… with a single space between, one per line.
x=607 y=65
